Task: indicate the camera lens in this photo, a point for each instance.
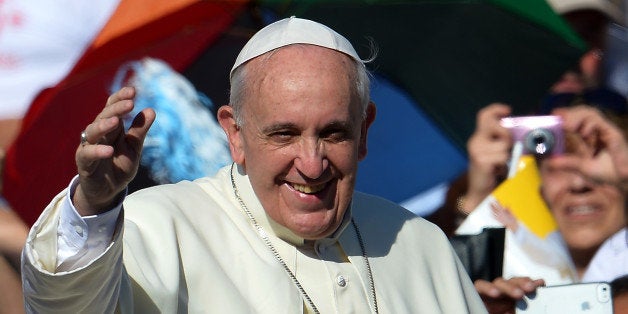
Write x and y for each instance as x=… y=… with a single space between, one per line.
x=539 y=141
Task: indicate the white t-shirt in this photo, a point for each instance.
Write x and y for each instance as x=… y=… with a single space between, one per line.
x=611 y=259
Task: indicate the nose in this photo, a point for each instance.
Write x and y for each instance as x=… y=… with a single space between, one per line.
x=579 y=184
x=311 y=160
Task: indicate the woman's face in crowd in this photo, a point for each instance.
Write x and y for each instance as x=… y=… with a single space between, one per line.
x=586 y=212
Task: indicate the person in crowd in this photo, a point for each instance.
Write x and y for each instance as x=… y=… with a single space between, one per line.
x=281 y=230
x=585 y=189
x=582 y=84
x=490 y=147
x=13 y=233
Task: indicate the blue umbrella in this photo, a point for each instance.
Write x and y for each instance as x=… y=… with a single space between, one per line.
x=408 y=154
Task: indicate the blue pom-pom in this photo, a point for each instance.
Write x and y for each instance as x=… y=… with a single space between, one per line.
x=185 y=142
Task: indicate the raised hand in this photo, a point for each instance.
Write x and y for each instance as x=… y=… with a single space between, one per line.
x=108 y=157
x=599 y=151
x=489 y=150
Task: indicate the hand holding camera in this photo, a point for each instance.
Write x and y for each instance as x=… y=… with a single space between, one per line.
x=491 y=145
x=489 y=151
x=601 y=151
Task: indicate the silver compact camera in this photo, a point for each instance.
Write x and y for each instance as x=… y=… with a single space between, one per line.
x=538 y=135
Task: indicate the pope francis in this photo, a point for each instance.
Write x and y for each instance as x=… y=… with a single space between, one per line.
x=281 y=230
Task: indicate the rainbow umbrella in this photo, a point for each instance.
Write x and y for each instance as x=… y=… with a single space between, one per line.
x=40 y=162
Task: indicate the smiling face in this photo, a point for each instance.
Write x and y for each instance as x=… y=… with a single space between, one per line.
x=301 y=137
x=586 y=212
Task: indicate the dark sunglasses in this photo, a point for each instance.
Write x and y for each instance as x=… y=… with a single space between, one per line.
x=604 y=99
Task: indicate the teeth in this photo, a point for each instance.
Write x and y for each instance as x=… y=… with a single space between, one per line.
x=308 y=189
x=581 y=210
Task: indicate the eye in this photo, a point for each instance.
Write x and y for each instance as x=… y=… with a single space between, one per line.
x=336 y=135
x=282 y=136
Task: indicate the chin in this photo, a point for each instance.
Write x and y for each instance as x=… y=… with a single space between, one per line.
x=311 y=232
x=584 y=243
x=315 y=225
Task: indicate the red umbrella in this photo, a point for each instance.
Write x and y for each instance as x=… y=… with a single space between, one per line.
x=174 y=31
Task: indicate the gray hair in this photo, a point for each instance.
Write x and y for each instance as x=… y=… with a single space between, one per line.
x=238 y=83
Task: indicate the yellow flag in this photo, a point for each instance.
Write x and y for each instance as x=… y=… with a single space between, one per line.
x=521 y=195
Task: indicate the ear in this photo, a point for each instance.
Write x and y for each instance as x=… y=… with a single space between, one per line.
x=370 y=117
x=232 y=130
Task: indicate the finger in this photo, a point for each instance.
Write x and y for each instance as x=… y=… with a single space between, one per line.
x=139 y=128
x=88 y=157
x=498 y=140
x=109 y=120
x=591 y=126
x=125 y=93
x=490 y=157
x=486 y=288
x=96 y=147
x=514 y=285
x=511 y=288
x=578 y=119
x=590 y=123
x=496 y=207
x=498 y=151
x=96 y=132
x=600 y=133
x=489 y=116
x=483 y=147
x=494 y=110
x=119 y=108
x=491 y=135
x=567 y=162
x=118 y=104
x=100 y=147
x=529 y=285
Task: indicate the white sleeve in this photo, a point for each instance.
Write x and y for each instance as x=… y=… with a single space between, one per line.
x=82 y=239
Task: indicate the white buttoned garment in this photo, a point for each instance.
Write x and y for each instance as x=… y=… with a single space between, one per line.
x=189 y=247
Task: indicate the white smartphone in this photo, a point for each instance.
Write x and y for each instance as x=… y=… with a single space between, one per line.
x=586 y=298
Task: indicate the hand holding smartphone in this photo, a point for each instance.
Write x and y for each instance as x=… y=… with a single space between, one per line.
x=585 y=298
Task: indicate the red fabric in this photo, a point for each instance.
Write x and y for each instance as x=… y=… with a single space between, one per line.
x=40 y=162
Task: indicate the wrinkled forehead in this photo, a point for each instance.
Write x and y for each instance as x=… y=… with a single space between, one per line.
x=302 y=65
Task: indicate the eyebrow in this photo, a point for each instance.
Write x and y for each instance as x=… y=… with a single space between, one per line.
x=278 y=127
x=283 y=126
x=340 y=124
